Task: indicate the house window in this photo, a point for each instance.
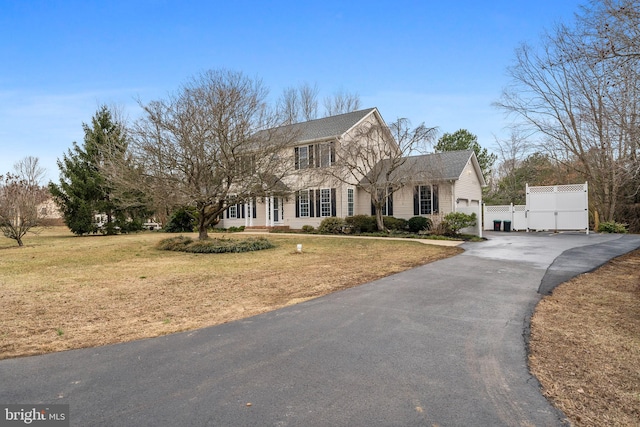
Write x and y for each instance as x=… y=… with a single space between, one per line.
x=233 y=211
x=425 y=200
x=387 y=204
x=350 y=202
x=315 y=156
x=326 y=155
x=303 y=203
x=325 y=202
x=302 y=157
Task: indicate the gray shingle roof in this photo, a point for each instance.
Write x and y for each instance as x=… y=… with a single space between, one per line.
x=444 y=166
x=325 y=128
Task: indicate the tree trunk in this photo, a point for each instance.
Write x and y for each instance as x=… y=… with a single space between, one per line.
x=202 y=224
x=379 y=220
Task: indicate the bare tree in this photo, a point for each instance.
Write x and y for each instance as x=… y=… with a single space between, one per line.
x=29 y=169
x=20 y=197
x=377 y=159
x=298 y=104
x=341 y=102
x=201 y=146
x=614 y=28
x=511 y=153
x=308 y=101
x=585 y=109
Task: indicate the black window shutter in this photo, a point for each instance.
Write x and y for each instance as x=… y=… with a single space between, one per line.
x=435 y=203
x=333 y=153
x=416 y=200
x=318 y=212
x=253 y=208
x=390 y=203
x=333 y=202
x=296 y=156
x=311 y=203
x=311 y=156
x=298 y=205
x=243 y=213
x=373 y=208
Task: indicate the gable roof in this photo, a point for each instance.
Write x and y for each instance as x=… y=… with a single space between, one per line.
x=325 y=128
x=444 y=166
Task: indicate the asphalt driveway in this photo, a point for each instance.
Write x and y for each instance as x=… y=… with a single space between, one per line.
x=442 y=344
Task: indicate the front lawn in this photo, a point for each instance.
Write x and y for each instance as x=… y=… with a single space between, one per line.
x=61 y=292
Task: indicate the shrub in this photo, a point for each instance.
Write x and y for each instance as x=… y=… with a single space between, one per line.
x=419 y=223
x=394 y=224
x=181 y=221
x=332 y=225
x=612 y=227
x=307 y=228
x=211 y=246
x=455 y=221
x=174 y=243
x=236 y=229
x=362 y=223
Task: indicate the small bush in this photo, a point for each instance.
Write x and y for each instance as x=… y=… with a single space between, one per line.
x=181 y=221
x=419 y=223
x=612 y=227
x=236 y=229
x=332 y=225
x=174 y=243
x=394 y=224
x=214 y=246
x=308 y=228
x=456 y=221
x=362 y=223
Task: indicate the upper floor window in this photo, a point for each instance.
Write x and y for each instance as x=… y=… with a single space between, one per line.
x=315 y=155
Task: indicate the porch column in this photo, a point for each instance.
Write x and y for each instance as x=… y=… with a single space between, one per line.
x=271 y=221
x=267 y=216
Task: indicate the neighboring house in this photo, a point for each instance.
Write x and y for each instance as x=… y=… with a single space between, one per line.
x=50 y=213
x=436 y=184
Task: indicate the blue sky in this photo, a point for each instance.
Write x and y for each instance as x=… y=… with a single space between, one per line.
x=441 y=63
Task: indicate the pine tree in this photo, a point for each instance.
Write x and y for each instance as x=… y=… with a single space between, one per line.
x=83 y=190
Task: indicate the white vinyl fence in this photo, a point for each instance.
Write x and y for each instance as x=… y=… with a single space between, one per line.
x=558 y=207
x=515 y=213
x=554 y=207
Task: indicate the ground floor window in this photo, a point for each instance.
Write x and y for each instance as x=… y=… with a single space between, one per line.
x=317 y=202
x=425 y=200
x=350 y=202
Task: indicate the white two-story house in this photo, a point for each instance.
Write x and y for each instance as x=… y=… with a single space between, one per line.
x=321 y=186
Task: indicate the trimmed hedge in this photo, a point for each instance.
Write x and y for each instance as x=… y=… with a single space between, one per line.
x=332 y=225
x=419 y=223
x=362 y=224
x=214 y=246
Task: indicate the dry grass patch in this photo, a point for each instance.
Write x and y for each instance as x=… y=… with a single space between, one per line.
x=61 y=292
x=585 y=345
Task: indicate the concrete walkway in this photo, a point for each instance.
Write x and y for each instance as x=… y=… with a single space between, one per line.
x=441 y=344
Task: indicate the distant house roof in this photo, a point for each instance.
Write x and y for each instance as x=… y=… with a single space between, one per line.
x=325 y=128
x=444 y=166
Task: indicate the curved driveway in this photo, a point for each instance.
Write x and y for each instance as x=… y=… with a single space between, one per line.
x=442 y=344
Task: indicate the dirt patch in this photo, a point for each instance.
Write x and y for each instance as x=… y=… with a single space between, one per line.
x=585 y=345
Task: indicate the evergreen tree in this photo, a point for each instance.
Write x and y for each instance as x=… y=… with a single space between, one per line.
x=464 y=140
x=83 y=190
